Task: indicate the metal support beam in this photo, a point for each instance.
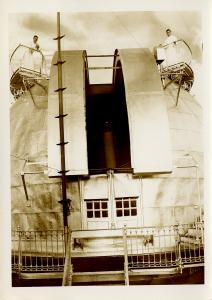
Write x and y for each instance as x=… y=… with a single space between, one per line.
x=171 y=81
x=24 y=182
x=179 y=87
x=102 y=68
x=104 y=55
x=24 y=185
x=33 y=100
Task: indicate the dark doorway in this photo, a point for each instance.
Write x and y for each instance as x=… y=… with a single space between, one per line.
x=107 y=128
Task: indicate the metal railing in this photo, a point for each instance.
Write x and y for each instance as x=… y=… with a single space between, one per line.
x=38 y=251
x=175 y=53
x=29 y=58
x=28 y=67
x=192 y=243
x=165 y=247
x=174 y=60
x=177 y=246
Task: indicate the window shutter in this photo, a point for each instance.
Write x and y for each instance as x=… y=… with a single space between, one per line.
x=147 y=113
x=74 y=123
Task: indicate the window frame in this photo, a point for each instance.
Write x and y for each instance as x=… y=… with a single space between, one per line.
x=126 y=206
x=99 y=208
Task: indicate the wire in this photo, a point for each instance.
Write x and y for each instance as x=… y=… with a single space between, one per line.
x=19 y=157
x=128 y=31
x=39 y=163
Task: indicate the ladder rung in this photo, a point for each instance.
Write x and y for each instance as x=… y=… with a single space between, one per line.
x=63 y=172
x=59 y=37
x=60 y=89
x=59 y=62
x=64 y=201
x=61 y=116
x=62 y=143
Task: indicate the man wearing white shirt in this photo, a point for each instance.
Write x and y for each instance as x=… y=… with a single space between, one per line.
x=35 y=42
x=170 y=48
x=36 y=55
x=32 y=58
x=170 y=38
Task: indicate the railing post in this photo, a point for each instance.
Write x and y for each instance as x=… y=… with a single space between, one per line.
x=201 y=224
x=68 y=268
x=19 y=251
x=179 y=258
x=70 y=275
x=126 y=271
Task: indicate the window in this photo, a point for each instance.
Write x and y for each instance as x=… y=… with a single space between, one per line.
x=97 y=208
x=126 y=207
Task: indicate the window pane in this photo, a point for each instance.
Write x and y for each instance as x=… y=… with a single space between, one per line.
x=96 y=205
x=126 y=212
x=97 y=214
x=119 y=213
x=133 y=203
x=118 y=204
x=104 y=205
x=126 y=203
x=104 y=214
x=133 y=212
x=89 y=205
x=89 y=214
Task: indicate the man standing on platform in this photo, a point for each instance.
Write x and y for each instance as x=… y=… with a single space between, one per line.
x=170 y=47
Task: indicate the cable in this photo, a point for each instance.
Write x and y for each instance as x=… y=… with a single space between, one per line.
x=128 y=31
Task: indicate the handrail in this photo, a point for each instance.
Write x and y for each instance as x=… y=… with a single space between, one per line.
x=27 y=47
x=119 y=230
x=180 y=40
x=24 y=46
x=181 y=245
x=180 y=52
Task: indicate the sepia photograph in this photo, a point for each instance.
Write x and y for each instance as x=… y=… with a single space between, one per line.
x=106 y=148
x=105 y=155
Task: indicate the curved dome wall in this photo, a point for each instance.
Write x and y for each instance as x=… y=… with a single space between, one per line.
x=178 y=196
x=164 y=198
